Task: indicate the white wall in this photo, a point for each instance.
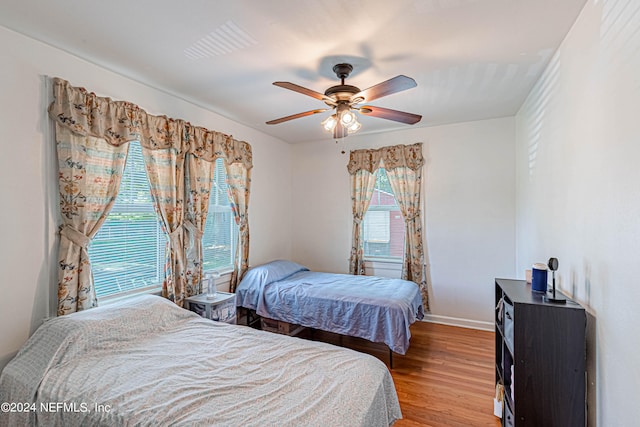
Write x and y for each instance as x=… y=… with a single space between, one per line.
x=28 y=180
x=578 y=193
x=470 y=210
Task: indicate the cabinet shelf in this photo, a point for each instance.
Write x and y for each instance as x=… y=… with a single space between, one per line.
x=545 y=344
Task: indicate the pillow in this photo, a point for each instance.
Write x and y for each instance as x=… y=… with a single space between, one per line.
x=265 y=274
x=122 y=319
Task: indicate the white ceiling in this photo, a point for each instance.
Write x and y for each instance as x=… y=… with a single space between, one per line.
x=471 y=59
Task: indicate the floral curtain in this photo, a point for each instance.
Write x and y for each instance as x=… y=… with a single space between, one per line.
x=165 y=144
x=238 y=163
x=363 y=166
x=362 y=184
x=89 y=174
x=239 y=180
x=406 y=184
x=165 y=170
x=199 y=176
x=403 y=164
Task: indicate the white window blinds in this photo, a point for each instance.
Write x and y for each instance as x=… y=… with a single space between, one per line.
x=127 y=254
x=221 y=231
x=376 y=227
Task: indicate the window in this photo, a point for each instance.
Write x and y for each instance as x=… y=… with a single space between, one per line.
x=383 y=226
x=220 y=231
x=127 y=254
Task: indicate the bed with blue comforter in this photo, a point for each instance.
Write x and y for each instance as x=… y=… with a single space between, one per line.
x=378 y=309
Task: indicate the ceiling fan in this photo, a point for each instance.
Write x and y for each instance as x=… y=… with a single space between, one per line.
x=345 y=99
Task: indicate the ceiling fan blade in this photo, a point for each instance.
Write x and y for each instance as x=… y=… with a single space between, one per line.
x=394 y=85
x=303 y=90
x=386 y=113
x=296 y=116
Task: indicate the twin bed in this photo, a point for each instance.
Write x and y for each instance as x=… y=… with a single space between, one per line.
x=147 y=362
x=374 y=308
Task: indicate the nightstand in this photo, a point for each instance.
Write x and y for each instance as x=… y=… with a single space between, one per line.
x=222 y=308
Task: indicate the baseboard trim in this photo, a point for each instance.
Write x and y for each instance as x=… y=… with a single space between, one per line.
x=456 y=321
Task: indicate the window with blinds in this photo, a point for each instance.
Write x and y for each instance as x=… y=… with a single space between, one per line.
x=383 y=226
x=220 y=231
x=127 y=254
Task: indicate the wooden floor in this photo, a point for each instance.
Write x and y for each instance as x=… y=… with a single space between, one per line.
x=447 y=377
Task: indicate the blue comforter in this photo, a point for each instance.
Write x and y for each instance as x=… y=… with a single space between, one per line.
x=375 y=308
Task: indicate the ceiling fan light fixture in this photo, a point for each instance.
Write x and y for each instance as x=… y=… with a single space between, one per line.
x=354 y=127
x=330 y=123
x=345 y=114
x=347 y=117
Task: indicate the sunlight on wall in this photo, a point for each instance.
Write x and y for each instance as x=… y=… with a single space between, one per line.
x=620 y=32
x=536 y=107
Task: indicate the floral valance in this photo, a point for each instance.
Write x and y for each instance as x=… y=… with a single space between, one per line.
x=210 y=145
x=409 y=156
x=118 y=122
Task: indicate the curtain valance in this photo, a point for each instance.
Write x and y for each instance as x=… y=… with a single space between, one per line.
x=409 y=156
x=118 y=122
x=210 y=145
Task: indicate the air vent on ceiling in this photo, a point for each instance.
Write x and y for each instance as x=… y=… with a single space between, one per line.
x=227 y=38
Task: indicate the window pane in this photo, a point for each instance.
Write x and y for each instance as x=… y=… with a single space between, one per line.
x=220 y=231
x=383 y=194
x=383 y=226
x=376 y=227
x=128 y=252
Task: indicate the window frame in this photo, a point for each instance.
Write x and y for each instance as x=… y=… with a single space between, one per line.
x=218 y=207
x=388 y=208
x=131 y=208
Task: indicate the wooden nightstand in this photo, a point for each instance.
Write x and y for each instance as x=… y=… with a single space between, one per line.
x=222 y=308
